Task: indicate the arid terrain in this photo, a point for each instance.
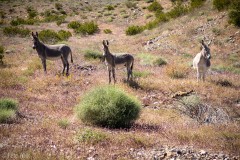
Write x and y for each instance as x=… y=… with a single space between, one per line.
x=169 y=127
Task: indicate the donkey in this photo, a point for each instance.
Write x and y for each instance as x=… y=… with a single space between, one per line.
x=111 y=61
x=201 y=61
x=52 y=52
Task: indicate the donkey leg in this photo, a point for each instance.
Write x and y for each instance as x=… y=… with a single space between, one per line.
x=109 y=75
x=113 y=72
x=44 y=65
x=67 y=69
x=64 y=65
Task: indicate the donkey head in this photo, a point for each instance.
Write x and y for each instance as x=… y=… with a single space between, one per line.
x=105 y=47
x=206 y=50
x=35 y=40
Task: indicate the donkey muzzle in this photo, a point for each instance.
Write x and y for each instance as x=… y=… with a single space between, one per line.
x=34 y=47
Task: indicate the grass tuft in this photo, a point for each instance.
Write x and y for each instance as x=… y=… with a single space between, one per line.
x=8 y=108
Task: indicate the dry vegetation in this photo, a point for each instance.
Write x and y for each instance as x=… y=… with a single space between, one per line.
x=48 y=126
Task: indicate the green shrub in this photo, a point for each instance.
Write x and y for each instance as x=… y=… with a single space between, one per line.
x=32 y=13
x=64 y=35
x=58 y=6
x=142 y=74
x=196 y=3
x=87 y=28
x=12 y=31
x=159 y=62
x=107 y=31
x=234 y=13
x=155 y=7
x=74 y=24
x=130 y=4
x=221 y=4
x=63 y=123
x=92 y=55
x=110 y=7
x=177 y=11
x=49 y=36
x=51 y=17
x=90 y=136
x=108 y=106
x=133 y=30
x=20 y=21
x=1 y=54
x=8 y=108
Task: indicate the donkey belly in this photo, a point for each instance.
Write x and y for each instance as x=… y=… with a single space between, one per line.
x=53 y=58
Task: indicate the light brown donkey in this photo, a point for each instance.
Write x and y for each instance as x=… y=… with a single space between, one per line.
x=111 y=61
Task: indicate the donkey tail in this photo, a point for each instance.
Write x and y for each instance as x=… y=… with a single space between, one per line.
x=71 y=57
x=132 y=65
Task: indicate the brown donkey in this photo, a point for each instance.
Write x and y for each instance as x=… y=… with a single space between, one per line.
x=52 y=52
x=111 y=61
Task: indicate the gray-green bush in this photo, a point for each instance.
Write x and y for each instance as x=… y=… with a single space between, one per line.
x=8 y=108
x=133 y=30
x=13 y=31
x=108 y=106
x=51 y=37
x=89 y=54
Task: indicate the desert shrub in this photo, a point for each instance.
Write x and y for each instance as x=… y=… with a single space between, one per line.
x=176 y=72
x=50 y=36
x=87 y=28
x=58 y=6
x=64 y=35
x=20 y=21
x=108 y=106
x=74 y=24
x=155 y=7
x=221 y=4
x=63 y=123
x=8 y=78
x=223 y=82
x=51 y=17
x=234 y=13
x=110 y=7
x=130 y=4
x=139 y=74
x=8 y=108
x=1 y=54
x=159 y=62
x=90 y=136
x=196 y=3
x=216 y=31
x=12 y=31
x=92 y=55
x=107 y=31
x=177 y=11
x=133 y=30
x=32 y=13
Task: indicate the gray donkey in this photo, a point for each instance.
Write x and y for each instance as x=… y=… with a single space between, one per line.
x=111 y=61
x=52 y=52
x=201 y=61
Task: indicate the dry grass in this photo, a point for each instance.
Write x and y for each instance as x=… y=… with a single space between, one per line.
x=47 y=101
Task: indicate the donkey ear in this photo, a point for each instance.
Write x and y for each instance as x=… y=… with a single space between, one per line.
x=107 y=42
x=32 y=34
x=209 y=43
x=202 y=42
x=103 y=42
x=37 y=34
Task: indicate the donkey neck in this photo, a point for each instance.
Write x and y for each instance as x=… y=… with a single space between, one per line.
x=41 y=49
